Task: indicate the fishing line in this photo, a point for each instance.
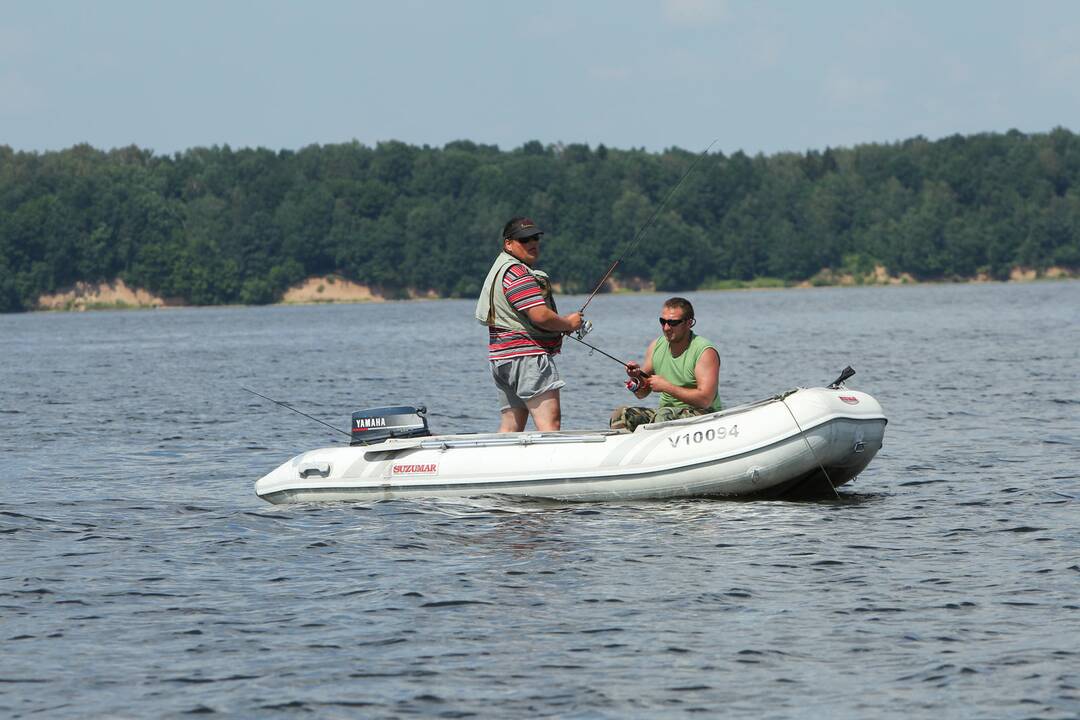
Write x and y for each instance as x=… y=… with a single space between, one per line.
x=290 y=407
x=641 y=232
x=593 y=347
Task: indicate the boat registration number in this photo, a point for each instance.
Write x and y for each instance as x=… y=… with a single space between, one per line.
x=701 y=436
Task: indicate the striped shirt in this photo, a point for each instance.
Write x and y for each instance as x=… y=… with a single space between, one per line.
x=523 y=292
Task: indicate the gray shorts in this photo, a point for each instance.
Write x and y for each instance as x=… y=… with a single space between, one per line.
x=521 y=379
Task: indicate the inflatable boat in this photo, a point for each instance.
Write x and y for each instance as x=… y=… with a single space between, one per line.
x=802 y=442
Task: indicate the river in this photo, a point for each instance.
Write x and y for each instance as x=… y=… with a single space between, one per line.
x=141 y=577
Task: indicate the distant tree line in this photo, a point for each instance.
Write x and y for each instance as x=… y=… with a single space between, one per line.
x=217 y=225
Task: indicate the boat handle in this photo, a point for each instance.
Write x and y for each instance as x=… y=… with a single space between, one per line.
x=859 y=446
x=322 y=469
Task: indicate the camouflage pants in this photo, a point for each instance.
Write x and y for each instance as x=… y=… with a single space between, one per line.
x=629 y=417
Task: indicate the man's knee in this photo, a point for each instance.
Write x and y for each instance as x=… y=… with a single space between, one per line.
x=617 y=421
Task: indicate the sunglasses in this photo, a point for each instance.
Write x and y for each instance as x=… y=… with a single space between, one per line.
x=535 y=238
x=671 y=323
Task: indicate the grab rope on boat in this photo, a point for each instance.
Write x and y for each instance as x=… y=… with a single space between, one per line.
x=834 y=385
x=783 y=400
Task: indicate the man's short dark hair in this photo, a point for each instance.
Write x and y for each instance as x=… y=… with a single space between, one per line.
x=683 y=304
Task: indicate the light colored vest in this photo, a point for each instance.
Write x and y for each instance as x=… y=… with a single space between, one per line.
x=680 y=370
x=494 y=310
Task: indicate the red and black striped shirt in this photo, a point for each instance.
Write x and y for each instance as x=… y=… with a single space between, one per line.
x=523 y=292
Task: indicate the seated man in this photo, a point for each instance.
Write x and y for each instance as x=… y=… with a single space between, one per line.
x=683 y=367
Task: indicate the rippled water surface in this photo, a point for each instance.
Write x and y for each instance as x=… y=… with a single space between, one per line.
x=141 y=577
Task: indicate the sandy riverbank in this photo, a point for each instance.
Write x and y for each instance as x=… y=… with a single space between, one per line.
x=116 y=295
x=101 y=296
x=335 y=289
x=330 y=289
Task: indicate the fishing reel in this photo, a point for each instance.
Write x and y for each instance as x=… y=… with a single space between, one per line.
x=634 y=383
x=585 y=329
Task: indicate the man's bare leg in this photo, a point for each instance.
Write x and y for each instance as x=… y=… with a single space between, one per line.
x=546 y=411
x=513 y=419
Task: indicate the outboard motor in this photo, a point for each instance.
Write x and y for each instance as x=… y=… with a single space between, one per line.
x=398 y=421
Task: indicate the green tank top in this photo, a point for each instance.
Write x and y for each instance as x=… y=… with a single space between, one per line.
x=680 y=370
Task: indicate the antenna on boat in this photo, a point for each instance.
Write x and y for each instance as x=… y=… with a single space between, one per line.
x=290 y=407
x=641 y=232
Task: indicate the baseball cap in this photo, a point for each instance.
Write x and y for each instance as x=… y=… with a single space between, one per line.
x=521 y=228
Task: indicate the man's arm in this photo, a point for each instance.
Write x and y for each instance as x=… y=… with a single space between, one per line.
x=706 y=376
x=524 y=295
x=544 y=317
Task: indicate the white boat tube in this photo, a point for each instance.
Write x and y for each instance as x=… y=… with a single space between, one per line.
x=769 y=448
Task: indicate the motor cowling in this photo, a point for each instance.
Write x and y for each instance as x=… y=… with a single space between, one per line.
x=382 y=423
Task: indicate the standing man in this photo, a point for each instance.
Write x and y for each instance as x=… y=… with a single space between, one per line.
x=525 y=331
x=681 y=365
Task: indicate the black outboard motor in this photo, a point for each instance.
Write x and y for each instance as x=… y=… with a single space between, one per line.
x=378 y=424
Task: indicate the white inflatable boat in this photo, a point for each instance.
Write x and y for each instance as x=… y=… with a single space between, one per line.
x=792 y=444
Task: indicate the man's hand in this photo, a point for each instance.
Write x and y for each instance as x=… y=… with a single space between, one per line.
x=574 y=319
x=634 y=370
x=657 y=383
x=585 y=329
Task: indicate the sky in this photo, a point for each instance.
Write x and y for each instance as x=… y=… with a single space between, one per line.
x=760 y=76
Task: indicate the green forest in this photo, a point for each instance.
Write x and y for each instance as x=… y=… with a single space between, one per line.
x=218 y=225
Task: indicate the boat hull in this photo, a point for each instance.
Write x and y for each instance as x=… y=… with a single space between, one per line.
x=772 y=448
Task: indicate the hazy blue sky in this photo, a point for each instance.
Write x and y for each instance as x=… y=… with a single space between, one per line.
x=760 y=76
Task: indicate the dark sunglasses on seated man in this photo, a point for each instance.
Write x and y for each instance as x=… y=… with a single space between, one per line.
x=672 y=323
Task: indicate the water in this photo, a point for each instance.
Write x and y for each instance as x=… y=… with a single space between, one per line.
x=141 y=577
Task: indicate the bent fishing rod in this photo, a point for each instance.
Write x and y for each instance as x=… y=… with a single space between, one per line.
x=641 y=232
x=290 y=407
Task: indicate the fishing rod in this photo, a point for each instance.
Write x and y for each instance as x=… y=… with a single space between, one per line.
x=290 y=407
x=641 y=232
